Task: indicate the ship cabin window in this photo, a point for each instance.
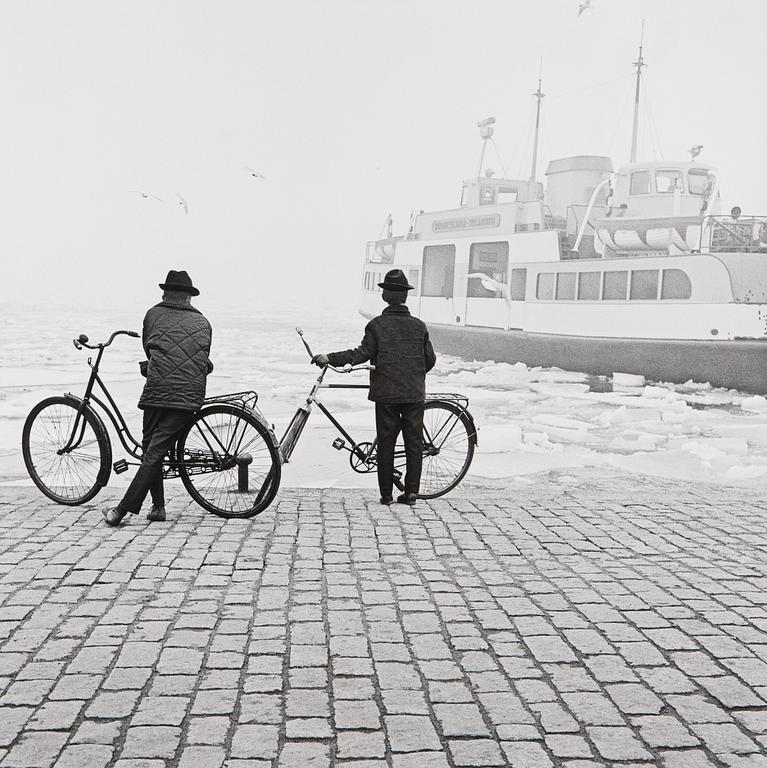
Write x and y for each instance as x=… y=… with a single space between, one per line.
x=544 y=288
x=668 y=181
x=506 y=195
x=614 y=288
x=676 y=285
x=644 y=284
x=566 y=286
x=492 y=260
x=518 y=282
x=412 y=277
x=438 y=270
x=640 y=183
x=589 y=284
x=700 y=181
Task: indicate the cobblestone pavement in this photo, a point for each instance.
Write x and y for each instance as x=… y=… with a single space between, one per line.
x=613 y=621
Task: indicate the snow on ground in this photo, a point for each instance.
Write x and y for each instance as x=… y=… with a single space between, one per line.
x=530 y=419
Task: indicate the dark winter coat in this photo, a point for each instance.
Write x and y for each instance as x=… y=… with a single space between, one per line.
x=398 y=345
x=176 y=340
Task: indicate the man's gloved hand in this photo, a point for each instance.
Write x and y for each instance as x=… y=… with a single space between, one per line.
x=321 y=360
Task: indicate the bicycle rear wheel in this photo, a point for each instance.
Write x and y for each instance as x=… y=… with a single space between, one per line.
x=228 y=462
x=448 y=448
x=76 y=475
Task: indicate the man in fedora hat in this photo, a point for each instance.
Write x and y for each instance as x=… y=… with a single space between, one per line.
x=176 y=339
x=398 y=345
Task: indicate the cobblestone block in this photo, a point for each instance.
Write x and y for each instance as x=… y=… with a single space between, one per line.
x=615 y=743
x=724 y=738
x=151 y=742
x=202 y=757
x=409 y=733
x=476 y=752
x=82 y=755
x=304 y=755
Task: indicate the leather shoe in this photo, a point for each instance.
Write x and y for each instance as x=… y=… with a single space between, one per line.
x=407 y=498
x=156 y=514
x=114 y=516
x=388 y=501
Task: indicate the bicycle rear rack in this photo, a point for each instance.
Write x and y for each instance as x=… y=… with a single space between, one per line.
x=246 y=399
x=453 y=397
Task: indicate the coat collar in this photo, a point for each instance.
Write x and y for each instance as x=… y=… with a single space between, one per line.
x=182 y=307
x=396 y=309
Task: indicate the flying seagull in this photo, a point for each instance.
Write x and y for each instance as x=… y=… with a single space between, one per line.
x=255 y=174
x=145 y=195
x=183 y=203
x=585 y=5
x=695 y=151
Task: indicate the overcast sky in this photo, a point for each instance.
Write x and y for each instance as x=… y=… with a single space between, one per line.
x=349 y=108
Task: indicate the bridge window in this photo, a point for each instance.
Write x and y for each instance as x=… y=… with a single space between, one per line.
x=668 y=181
x=640 y=183
x=644 y=284
x=676 y=285
x=615 y=286
x=588 y=286
x=545 y=286
x=700 y=180
x=566 y=286
x=438 y=270
x=491 y=260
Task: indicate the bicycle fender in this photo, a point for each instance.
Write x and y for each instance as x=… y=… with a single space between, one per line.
x=473 y=432
x=103 y=477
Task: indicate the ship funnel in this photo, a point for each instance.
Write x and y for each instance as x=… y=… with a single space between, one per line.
x=571 y=180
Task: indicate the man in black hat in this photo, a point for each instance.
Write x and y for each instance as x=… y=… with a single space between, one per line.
x=176 y=339
x=398 y=345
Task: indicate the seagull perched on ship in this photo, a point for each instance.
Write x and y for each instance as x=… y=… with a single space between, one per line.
x=695 y=151
x=255 y=174
x=183 y=203
x=145 y=195
x=585 y=5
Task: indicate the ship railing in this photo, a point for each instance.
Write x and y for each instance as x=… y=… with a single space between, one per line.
x=745 y=234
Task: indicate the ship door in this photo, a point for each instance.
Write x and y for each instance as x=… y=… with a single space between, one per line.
x=487 y=285
x=437 y=278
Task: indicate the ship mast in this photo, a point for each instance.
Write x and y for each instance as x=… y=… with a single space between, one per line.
x=485 y=132
x=639 y=63
x=539 y=96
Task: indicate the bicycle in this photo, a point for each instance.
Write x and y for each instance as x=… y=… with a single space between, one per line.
x=228 y=458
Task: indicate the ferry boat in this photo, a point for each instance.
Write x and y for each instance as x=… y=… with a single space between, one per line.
x=638 y=271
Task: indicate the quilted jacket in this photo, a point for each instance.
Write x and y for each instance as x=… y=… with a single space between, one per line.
x=176 y=340
x=398 y=345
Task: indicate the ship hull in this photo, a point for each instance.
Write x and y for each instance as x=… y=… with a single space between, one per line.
x=739 y=364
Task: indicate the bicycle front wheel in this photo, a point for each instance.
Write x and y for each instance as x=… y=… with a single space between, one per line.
x=228 y=462
x=67 y=452
x=448 y=448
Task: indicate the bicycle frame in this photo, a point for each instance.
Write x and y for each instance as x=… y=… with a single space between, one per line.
x=366 y=455
x=112 y=410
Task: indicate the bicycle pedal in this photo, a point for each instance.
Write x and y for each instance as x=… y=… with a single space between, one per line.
x=338 y=444
x=120 y=466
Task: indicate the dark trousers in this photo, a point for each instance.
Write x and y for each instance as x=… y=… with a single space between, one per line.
x=390 y=419
x=161 y=428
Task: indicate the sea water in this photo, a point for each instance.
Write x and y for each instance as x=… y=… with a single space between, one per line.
x=530 y=419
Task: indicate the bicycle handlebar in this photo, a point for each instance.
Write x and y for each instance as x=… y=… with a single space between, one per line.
x=348 y=368
x=351 y=368
x=82 y=340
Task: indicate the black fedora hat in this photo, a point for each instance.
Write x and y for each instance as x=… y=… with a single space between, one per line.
x=179 y=281
x=395 y=280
